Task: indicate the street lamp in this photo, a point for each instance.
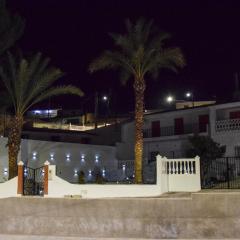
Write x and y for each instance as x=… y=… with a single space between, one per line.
x=104 y=98
x=190 y=95
x=170 y=99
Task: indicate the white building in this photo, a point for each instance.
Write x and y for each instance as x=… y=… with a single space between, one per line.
x=69 y=158
x=167 y=132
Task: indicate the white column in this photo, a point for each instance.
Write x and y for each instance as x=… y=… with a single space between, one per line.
x=212 y=122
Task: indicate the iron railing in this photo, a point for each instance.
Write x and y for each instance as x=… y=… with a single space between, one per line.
x=221 y=173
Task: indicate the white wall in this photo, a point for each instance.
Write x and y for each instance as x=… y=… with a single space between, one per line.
x=59 y=150
x=4 y=159
x=165 y=183
x=95 y=157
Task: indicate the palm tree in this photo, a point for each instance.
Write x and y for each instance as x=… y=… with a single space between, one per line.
x=139 y=52
x=28 y=82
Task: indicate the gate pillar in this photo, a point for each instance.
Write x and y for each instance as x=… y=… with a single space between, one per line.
x=20 y=178
x=46 y=168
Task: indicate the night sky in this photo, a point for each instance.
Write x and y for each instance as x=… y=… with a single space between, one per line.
x=74 y=32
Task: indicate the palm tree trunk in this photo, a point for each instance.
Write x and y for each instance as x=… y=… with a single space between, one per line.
x=139 y=88
x=14 y=141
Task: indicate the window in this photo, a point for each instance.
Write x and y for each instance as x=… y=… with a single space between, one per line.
x=178 y=126
x=234 y=115
x=203 y=121
x=156 y=130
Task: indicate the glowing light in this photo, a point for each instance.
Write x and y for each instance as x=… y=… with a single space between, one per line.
x=68 y=157
x=51 y=156
x=188 y=94
x=105 y=98
x=89 y=173
x=169 y=99
x=75 y=173
x=37 y=111
x=96 y=158
x=82 y=158
x=123 y=167
x=5 y=171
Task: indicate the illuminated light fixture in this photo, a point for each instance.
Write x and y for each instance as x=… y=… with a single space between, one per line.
x=43 y=172
x=34 y=155
x=51 y=156
x=103 y=172
x=96 y=158
x=105 y=98
x=68 y=157
x=5 y=171
x=123 y=167
x=188 y=94
x=75 y=173
x=37 y=111
x=170 y=99
x=89 y=173
x=25 y=171
x=82 y=158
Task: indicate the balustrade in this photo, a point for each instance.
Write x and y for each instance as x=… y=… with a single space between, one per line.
x=227 y=125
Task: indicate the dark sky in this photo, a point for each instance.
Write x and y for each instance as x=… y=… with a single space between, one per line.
x=73 y=32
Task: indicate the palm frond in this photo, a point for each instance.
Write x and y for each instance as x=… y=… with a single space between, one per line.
x=139 y=51
x=110 y=60
x=56 y=91
x=29 y=81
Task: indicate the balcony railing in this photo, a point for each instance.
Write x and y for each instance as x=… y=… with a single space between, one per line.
x=172 y=131
x=227 y=125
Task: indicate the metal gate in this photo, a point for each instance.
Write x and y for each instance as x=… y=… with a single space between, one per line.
x=33 y=181
x=222 y=173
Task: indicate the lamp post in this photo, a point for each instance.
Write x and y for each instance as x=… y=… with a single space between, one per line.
x=189 y=95
x=106 y=99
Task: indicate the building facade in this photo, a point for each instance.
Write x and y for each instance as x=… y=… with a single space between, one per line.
x=168 y=132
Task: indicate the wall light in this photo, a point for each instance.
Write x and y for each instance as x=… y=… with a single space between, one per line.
x=68 y=157
x=51 y=156
x=82 y=158
x=89 y=173
x=75 y=172
x=103 y=172
x=5 y=171
x=34 y=155
x=96 y=158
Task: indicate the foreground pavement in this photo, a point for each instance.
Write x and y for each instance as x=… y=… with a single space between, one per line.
x=204 y=215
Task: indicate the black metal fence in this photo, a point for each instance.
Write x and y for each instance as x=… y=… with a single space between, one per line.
x=221 y=173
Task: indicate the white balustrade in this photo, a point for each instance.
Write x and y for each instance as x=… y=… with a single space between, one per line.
x=180 y=175
x=227 y=125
